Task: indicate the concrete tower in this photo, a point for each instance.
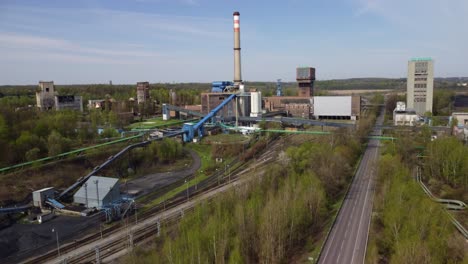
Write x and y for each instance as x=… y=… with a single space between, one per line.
x=142 y=92
x=420 y=85
x=305 y=77
x=237 y=50
x=45 y=95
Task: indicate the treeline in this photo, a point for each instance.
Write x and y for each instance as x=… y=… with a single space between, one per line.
x=264 y=220
x=141 y=160
x=27 y=134
x=407 y=226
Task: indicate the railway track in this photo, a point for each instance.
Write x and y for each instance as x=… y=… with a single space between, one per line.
x=218 y=180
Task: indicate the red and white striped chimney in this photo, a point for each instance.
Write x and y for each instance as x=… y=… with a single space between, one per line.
x=237 y=49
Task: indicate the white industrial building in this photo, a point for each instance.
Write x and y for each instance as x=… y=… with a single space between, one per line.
x=403 y=116
x=255 y=104
x=40 y=196
x=460 y=129
x=461 y=117
x=336 y=107
x=98 y=192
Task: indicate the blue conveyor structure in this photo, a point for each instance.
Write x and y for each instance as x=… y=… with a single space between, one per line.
x=16 y=209
x=54 y=203
x=190 y=129
x=220 y=86
x=82 y=180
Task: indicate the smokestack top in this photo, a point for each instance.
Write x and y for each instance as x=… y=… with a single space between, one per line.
x=236 y=14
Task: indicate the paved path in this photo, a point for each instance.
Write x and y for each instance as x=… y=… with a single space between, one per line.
x=347 y=241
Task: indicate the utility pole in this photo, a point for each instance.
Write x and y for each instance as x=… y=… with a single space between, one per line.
x=58 y=243
x=97 y=191
x=136 y=213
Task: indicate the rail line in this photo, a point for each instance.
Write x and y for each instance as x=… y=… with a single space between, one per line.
x=212 y=183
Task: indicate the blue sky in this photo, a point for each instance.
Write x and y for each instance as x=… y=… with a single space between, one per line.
x=94 y=41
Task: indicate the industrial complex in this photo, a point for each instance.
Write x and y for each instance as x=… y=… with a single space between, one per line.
x=229 y=105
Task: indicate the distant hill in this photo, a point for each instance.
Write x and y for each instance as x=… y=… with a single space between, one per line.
x=371 y=83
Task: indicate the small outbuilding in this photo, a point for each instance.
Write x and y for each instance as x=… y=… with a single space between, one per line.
x=98 y=192
x=403 y=116
x=41 y=196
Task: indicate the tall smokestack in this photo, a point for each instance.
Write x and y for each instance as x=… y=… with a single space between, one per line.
x=237 y=49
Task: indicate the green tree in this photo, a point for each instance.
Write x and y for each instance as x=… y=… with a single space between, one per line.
x=57 y=144
x=32 y=154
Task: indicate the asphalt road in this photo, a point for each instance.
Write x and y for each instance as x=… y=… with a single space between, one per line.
x=347 y=240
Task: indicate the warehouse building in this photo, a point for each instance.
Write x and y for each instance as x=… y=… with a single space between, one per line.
x=336 y=107
x=98 y=192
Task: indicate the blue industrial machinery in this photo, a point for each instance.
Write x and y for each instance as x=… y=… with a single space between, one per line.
x=54 y=203
x=189 y=129
x=279 y=88
x=220 y=86
x=16 y=209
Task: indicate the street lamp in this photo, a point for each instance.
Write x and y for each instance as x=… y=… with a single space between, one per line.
x=58 y=244
x=136 y=213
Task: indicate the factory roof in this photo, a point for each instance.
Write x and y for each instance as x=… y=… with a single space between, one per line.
x=44 y=189
x=104 y=185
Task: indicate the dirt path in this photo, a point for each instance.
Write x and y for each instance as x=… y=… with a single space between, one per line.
x=148 y=183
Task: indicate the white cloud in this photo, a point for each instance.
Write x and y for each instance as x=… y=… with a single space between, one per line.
x=66 y=49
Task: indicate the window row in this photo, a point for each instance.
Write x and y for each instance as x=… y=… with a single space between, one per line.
x=420 y=85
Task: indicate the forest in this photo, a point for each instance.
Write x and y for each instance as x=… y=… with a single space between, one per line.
x=269 y=219
x=407 y=226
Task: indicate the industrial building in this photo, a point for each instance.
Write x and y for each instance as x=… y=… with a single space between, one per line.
x=69 y=102
x=336 y=107
x=142 y=92
x=98 y=192
x=47 y=98
x=40 y=196
x=461 y=117
x=460 y=122
x=420 y=85
x=45 y=95
x=305 y=77
x=403 y=116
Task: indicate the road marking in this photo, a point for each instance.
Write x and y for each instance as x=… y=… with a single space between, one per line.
x=360 y=221
x=341 y=249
